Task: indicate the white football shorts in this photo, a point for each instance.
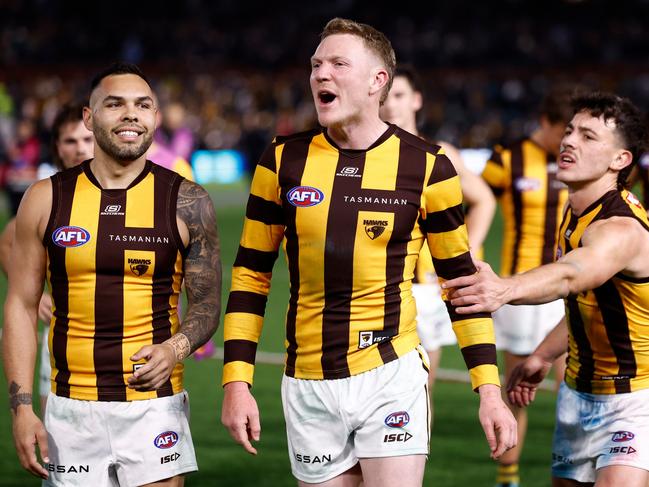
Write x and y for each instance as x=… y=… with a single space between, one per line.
x=332 y=423
x=597 y=430
x=434 y=326
x=520 y=329
x=101 y=444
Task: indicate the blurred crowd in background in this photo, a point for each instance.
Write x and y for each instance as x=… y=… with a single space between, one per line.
x=231 y=74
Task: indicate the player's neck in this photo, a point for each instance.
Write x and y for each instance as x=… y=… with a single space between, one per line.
x=582 y=195
x=358 y=135
x=539 y=138
x=112 y=174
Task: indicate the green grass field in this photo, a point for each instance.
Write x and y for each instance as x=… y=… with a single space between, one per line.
x=459 y=454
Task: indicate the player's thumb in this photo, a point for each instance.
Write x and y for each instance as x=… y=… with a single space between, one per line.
x=41 y=438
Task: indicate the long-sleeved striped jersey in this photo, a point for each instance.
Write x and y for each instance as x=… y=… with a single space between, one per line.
x=352 y=223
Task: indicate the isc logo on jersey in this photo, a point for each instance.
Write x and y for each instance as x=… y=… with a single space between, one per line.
x=166 y=439
x=70 y=236
x=303 y=196
x=398 y=419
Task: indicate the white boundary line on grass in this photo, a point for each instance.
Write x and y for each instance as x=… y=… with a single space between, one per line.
x=446 y=375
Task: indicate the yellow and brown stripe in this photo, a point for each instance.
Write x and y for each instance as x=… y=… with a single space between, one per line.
x=114 y=268
x=353 y=223
x=608 y=349
x=523 y=177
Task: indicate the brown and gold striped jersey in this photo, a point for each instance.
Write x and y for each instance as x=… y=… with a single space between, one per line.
x=523 y=178
x=352 y=223
x=114 y=268
x=609 y=325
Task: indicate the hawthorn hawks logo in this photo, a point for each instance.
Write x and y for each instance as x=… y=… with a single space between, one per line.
x=375 y=228
x=139 y=266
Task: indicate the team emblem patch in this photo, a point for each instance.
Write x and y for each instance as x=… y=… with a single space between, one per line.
x=70 y=236
x=365 y=339
x=631 y=198
x=166 y=440
x=621 y=436
x=398 y=419
x=139 y=266
x=375 y=228
x=303 y=196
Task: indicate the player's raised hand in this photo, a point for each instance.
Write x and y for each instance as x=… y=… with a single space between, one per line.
x=160 y=362
x=240 y=415
x=479 y=292
x=29 y=432
x=497 y=421
x=525 y=379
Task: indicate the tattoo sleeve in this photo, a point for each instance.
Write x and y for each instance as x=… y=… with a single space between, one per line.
x=202 y=269
x=17 y=398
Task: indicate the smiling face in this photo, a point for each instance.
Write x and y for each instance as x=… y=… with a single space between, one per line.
x=402 y=105
x=346 y=80
x=590 y=150
x=122 y=116
x=74 y=144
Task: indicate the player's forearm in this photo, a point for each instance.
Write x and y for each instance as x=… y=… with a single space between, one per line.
x=555 y=343
x=541 y=285
x=19 y=348
x=478 y=221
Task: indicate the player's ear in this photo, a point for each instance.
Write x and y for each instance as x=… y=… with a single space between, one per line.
x=418 y=101
x=621 y=160
x=87 y=118
x=380 y=78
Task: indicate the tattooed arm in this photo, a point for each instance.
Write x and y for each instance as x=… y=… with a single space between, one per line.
x=20 y=338
x=197 y=225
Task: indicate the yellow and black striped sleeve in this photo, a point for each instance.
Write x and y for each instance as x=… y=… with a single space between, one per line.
x=263 y=231
x=496 y=171
x=443 y=223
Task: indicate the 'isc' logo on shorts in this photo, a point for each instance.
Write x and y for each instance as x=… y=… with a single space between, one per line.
x=166 y=439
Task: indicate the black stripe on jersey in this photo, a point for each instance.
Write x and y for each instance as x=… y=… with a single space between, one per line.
x=460 y=265
x=458 y=317
x=339 y=271
x=255 y=260
x=443 y=169
x=637 y=280
x=496 y=159
x=617 y=329
x=551 y=203
x=164 y=207
x=584 y=350
x=109 y=303
x=481 y=354
x=410 y=178
x=443 y=221
x=240 y=351
x=517 y=171
x=62 y=195
x=290 y=175
x=261 y=210
x=267 y=159
x=246 y=302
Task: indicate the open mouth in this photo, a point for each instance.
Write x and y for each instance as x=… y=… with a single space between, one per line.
x=326 y=97
x=566 y=159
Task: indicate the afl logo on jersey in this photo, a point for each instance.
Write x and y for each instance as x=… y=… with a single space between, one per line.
x=70 y=236
x=302 y=196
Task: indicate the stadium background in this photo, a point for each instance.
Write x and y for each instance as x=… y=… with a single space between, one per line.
x=240 y=70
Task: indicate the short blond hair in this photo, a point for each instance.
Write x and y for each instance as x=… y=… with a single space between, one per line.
x=374 y=40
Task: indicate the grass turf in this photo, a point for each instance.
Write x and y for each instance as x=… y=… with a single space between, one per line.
x=459 y=454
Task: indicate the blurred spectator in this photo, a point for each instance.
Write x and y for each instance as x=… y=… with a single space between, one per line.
x=23 y=156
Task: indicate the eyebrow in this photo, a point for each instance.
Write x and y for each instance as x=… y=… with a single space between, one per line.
x=581 y=128
x=121 y=98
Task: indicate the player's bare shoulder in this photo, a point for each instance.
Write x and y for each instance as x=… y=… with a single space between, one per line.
x=36 y=206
